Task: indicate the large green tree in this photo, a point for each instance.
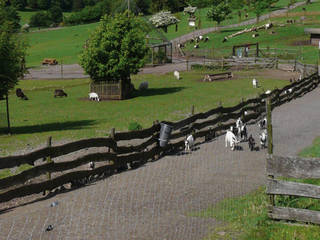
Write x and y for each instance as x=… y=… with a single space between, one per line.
x=219 y=11
x=115 y=49
x=12 y=55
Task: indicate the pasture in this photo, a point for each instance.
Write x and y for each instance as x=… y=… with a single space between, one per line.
x=75 y=117
x=288 y=37
x=66 y=43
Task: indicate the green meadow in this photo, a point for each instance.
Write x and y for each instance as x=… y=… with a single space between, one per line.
x=75 y=117
x=66 y=43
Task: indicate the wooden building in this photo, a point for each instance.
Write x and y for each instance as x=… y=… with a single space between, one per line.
x=314 y=35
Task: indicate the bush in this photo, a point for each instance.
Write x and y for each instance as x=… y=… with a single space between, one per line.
x=40 y=19
x=134 y=126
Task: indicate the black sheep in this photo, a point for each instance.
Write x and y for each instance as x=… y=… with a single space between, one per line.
x=59 y=93
x=20 y=94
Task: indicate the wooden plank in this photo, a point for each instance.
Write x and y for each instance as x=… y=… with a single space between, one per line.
x=278 y=187
x=138 y=148
x=293 y=167
x=30 y=158
x=54 y=167
x=140 y=134
x=294 y=214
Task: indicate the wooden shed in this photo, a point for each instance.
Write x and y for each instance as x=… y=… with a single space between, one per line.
x=314 y=35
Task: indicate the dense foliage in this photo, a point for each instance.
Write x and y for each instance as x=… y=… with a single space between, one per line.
x=12 y=55
x=52 y=17
x=116 y=49
x=219 y=11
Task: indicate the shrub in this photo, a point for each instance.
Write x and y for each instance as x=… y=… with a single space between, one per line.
x=134 y=126
x=40 y=19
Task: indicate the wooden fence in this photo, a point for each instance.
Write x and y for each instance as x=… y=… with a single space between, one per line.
x=217 y=120
x=293 y=167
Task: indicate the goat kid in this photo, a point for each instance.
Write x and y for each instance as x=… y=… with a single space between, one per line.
x=94 y=96
x=189 y=142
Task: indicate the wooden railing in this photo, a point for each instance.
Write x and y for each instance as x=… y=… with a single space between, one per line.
x=117 y=157
x=293 y=167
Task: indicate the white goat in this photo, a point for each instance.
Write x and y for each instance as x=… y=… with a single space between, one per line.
x=239 y=125
x=200 y=37
x=196 y=46
x=143 y=85
x=176 y=74
x=263 y=139
x=91 y=165
x=94 y=96
x=290 y=90
x=231 y=140
x=189 y=142
x=268 y=92
x=245 y=113
x=255 y=83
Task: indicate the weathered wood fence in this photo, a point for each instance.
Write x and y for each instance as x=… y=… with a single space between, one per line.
x=293 y=167
x=216 y=120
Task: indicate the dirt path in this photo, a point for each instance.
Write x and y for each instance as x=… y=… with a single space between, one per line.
x=155 y=201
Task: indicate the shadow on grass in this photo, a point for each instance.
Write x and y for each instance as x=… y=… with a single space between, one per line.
x=157 y=91
x=61 y=126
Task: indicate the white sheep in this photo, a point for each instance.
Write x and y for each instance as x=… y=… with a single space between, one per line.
x=143 y=85
x=200 y=37
x=231 y=140
x=176 y=74
x=189 y=142
x=255 y=83
x=268 y=91
x=94 y=96
x=196 y=46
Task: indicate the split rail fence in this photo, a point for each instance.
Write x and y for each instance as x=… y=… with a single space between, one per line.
x=293 y=167
x=216 y=121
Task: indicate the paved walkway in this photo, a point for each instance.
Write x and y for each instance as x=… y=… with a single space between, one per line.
x=155 y=201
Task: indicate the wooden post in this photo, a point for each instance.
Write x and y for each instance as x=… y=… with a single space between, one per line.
x=187 y=62
x=270 y=142
x=192 y=110
x=8 y=116
x=222 y=63
x=112 y=136
x=49 y=160
x=156 y=135
x=152 y=56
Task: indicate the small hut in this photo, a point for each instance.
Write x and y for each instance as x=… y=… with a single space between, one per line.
x=314 y=35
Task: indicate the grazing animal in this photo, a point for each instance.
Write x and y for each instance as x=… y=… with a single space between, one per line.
x=191 y=40
x=263 y=123
x=263 y=139
x=225 y=39
x=290 y=90
x=243 y=132
x=21 y=95
x=180 y=45
x=255 y=35
x=239 y=125
x=255 y=83
x=196 y=46
x=245 y=113
x=268 y=92
x=91 y=165
x=251 y=143
x=268 y=25
x=176 y=74
x=206 y=39
x=200 y=37
x=231 y=140
x=60 y=93
x=189 y=142
x=234 y=130
x=94 y=96
x=143 y=86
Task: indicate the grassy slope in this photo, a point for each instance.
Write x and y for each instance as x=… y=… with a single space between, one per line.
x=246 y=216
x=65 y=44
x=70 y=118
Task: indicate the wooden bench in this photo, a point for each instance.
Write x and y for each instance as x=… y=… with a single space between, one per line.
x=49 y=61
x=217 y=76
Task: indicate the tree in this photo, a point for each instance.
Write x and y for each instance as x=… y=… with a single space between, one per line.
x=55 y=14
x=219 y=12
x=19 y=4
x=115 y=49
x=10 y=15
x=12 y=55
x=43 y=4
x=259 y=7
x=40 y=19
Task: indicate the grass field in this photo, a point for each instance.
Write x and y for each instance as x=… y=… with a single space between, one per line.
x=246 y=217
x=73 y=118
x=65 y=44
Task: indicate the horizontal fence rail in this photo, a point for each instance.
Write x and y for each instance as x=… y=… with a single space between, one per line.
x=115 y=156
x=293 y=167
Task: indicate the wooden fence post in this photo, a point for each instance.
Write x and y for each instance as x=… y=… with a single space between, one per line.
x=112 y=135
x=187 y=62
x=8 y=115
x=49 y=160
x=192 y=110
x=156 y=135
x=270 y=142
x=222 y=64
